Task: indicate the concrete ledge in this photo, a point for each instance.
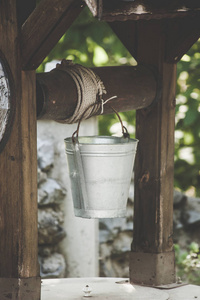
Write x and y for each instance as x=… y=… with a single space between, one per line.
x=112 y=289
x=152 y=269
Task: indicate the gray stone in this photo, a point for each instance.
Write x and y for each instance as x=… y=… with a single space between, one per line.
x=50 y=230
x=177 y=223
x=193 y=204
x=190 y=218
x=45 y=251
x=50 y=191
x=53 y=266
x=122 y=242
x=180 y=199
x=42 y=196
x=41 y=176
x=45 y=151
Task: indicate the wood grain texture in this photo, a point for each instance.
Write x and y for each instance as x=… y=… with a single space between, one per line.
x=20 y=289
x=153 y=201
x=155 y=160
x=18 y=163
x=182 y=34
x=24 y=9
x=135 y=87
x=126 y=32
x=118 y=10
x=45 y=26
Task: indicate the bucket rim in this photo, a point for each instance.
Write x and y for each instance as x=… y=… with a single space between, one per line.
x=69 y=140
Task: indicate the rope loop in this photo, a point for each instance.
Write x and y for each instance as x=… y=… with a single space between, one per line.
x=90 y=90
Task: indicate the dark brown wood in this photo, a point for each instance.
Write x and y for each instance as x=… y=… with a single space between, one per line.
x=18 y=165
x=135 y=87
x=118 y=10
x=153 y=211
x=24 y=9
x=154 y=181
x=157 y=269
x=182 y=34
x=127 y=33
x=45 y=26
x=20 y=289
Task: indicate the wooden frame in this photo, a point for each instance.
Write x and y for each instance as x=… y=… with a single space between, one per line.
x=121 y=81
x=44 y=27
x=24 y=48
x=120 y=10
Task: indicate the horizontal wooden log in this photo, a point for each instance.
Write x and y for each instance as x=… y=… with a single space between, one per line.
x=43 y=29
x=119 y=10
x=135 y=88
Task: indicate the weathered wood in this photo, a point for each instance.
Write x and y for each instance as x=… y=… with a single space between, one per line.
x=57 y=97
x=45 y=26
x=154 y=181
x=127 y=33
x=153 y=220
x=182 y=34
x=118 y=10
x=24 y=9
x=20 y=289
x=18 y=166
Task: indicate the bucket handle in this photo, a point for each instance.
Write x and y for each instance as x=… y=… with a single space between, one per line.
x=124 y=129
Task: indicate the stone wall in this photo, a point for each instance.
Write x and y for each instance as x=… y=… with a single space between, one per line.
x=50 y=215
x=68 y=246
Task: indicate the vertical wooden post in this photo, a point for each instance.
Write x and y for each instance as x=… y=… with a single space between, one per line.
x=152 y=259
x=18 y=175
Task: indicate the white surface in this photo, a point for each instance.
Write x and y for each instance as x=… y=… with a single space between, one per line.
x=108 y=289
x=80 y=247
x=187 y=292
x=102 y=288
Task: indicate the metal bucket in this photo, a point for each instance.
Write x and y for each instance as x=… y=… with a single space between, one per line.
x=100 y=170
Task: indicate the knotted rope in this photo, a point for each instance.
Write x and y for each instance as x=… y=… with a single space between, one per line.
x=90 y=91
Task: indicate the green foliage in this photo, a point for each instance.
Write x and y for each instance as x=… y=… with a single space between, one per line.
x=188 y=263
x=187 y=135
x=90 y=43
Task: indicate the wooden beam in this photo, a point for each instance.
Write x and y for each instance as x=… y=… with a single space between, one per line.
x=118 y=10
x=182 y=34
x=154 y=184
x=24 y=10
x=43 y=29
x=135 y=87
x=127 y=33
x=153 y=201
x=18 y=175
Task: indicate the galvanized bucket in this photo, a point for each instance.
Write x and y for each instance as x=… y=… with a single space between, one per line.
x=100 y=170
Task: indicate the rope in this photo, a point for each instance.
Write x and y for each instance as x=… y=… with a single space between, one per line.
x=90 y=90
